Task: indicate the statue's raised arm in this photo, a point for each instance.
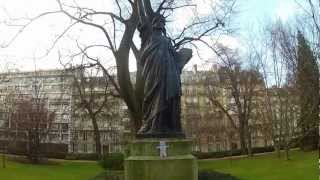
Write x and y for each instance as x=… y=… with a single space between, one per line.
x=148 y=8
x=145 y=10
x=182 y=57
x=142 y=14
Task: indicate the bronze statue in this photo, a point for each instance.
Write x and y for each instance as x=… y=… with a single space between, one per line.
x=162 y=66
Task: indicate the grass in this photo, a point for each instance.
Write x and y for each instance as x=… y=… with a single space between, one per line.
x=302 y=166
x=109 y=175
x=63 y=170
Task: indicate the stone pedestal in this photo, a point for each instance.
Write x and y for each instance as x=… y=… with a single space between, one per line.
x=145 y=163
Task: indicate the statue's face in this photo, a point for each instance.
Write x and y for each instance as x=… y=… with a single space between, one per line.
x=159 y=23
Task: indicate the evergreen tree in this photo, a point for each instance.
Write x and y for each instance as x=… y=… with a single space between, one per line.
x=308 y=86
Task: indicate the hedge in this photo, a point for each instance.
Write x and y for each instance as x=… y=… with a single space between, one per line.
x=112 y=161
x=213 y=175
x=236 y=152
x=82 y=156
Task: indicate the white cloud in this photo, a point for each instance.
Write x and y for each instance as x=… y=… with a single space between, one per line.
x=205 y=7
x=38 y=37
x=285 y=10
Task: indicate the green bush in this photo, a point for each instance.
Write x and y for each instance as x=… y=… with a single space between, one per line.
x=57 y=155
x=84 y=156
x=112 y=161
x=212 y=175
x=71 y=156
x=88 y=156
x=218 y=154
x=263 y=149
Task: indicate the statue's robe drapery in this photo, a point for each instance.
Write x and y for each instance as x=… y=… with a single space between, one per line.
x=162 y=66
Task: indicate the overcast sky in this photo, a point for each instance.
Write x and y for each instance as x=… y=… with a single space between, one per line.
x=28 y=51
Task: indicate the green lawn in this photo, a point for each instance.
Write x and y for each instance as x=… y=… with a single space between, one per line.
x=66 y=170
x=302 y=166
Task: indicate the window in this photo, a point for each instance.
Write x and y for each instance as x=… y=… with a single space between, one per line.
x=54 y=126
x=106 y=137
x=53 y=137
x=64 y=137
x=93 y=148
x=188 y=100
x=195 y=100
x=234 y=146
x=85 y=148
x=2 y=124
x=74 y=147
x=218 y=147
x=85 y=135
x=64 y=126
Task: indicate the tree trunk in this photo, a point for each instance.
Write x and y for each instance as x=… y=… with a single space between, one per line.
x=4 y=160
x=97 y=138
x=280 y=140
x=250 y=153
x=127 y=92
x=287 y=149
x=242 y=135
x=278 y=148
x=30 y=147
x=33 y=145
x=37 y=147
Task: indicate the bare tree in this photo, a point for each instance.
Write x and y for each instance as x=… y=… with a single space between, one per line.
x=241 y=86
x=119 y=29
x=93 y=92
x=27 y=108
x=278 y=62
x=7 y=107
x=33 y=120
x=282 y=113
x=205 y=121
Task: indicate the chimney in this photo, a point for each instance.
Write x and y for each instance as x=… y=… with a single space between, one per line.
x=195 y=68
x=214 y=67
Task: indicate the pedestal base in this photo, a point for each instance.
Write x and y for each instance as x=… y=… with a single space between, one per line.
x=145 y=162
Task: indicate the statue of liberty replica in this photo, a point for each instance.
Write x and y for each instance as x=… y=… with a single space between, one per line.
x=161 y=151
x=162 y=66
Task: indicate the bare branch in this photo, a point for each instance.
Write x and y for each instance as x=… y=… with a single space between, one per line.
x=90 y=24
x=198 y=38
x=119 y=7
x=24 y=26
x=105 y=71
x=112 y=15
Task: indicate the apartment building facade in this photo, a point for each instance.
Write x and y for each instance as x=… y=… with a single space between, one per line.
x=203 y=121
x=71 y=127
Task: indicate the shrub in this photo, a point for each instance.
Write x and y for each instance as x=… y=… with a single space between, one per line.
x=112 y=161
x=88 y=156
x=263 y=149
x=71 y=156
x=212 y=175
x=219 y=154
x=82 y=156
x=56 y=155
x=49 y=150
x=25 y=160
